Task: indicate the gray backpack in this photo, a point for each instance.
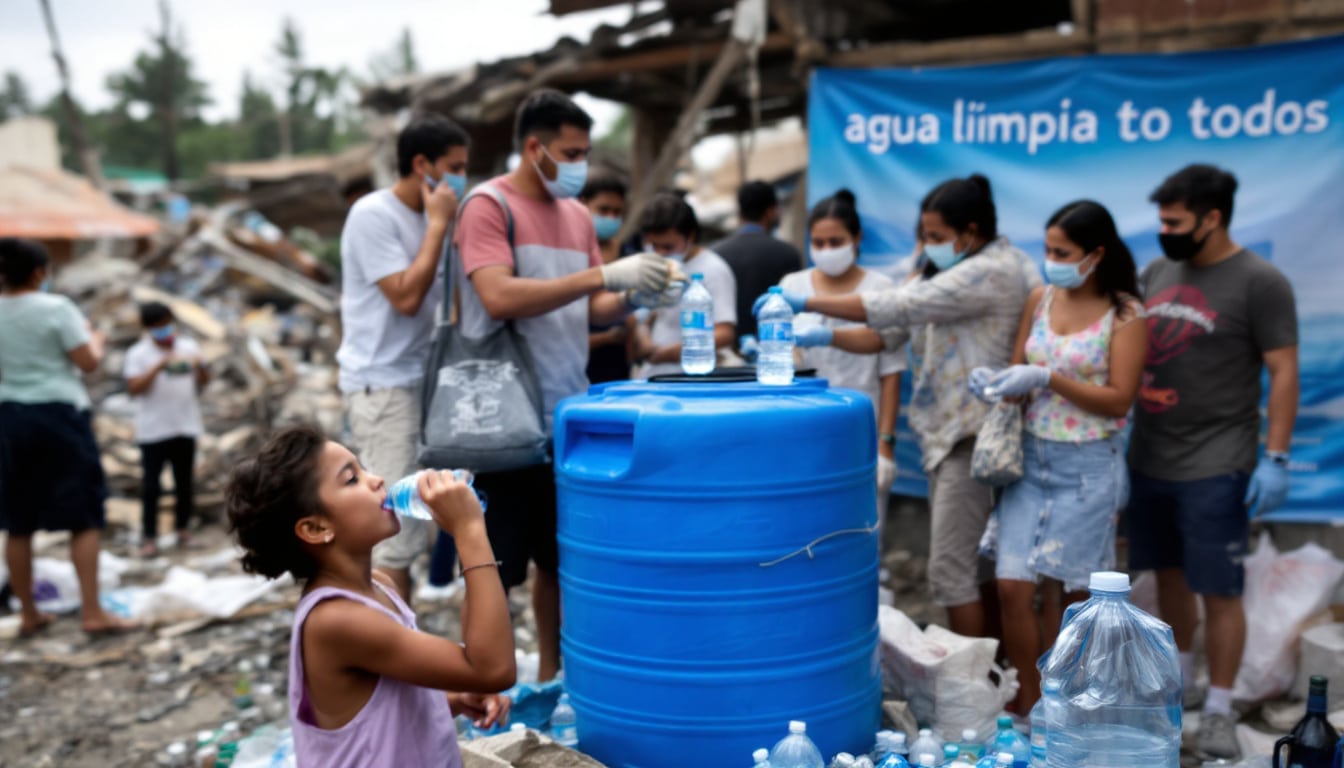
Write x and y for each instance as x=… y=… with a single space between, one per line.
x=481 y=404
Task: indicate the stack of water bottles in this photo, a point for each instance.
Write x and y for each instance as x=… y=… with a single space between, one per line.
x=1111 y=686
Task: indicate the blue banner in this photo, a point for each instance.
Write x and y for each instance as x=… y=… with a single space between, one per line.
x=1111 y=128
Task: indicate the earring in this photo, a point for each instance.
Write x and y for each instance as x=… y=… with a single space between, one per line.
x=327 y=538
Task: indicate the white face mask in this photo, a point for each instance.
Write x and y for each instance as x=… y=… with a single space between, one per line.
x=834 y=261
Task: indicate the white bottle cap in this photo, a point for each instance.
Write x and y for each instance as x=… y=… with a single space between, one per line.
x=968 y=734
x=761 y=755
x=518 y=727
x=926 y=761
x=898 y=738
x=1109 y=581
x=843 y=760
x=1004 y=758
x=797 y=726
x=925 y=732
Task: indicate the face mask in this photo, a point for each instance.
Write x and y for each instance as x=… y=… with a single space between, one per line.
x=45 y=286
x=943 y=255
x=1067 y=276
x=163 y=334
x=1184 y=246
x=458 y=182
x=834 y=261
x=606 y=226
x=569 y=177
x=678 y=257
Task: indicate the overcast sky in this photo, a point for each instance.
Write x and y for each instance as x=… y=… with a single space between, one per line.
x=226 y=37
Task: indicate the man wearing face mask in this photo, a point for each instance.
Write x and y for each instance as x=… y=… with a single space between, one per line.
x=1217 y=313
x=391 y=284
x=604 y=195
x=163 y=373
x=549 y=280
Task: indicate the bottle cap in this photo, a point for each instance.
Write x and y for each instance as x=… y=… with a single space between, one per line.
x=1004 y=758
x=1109 y=581
x=761 y=755
x=697 y=276
x=564 y=698
x=843 y=760
x=951 y=751
x=968 y=734
x=1005 y=722
x=898 y=738
x=925 y=731
x=776 y=289
x=516 y=727
x=926 y=761
x=1051 y=686
x=797 y=726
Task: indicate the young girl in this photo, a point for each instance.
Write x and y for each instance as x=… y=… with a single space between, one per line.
x=835 y=232
x=366 y=686
x=1077 y=362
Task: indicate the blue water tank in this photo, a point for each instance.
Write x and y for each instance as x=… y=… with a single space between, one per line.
x=691 y=636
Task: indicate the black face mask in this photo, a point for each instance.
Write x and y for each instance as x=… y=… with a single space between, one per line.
x=1184 y=246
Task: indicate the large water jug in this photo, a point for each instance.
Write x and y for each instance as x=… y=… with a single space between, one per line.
x=1119 y=684
x=718 y=571
x=697 y=328
x=775 y=332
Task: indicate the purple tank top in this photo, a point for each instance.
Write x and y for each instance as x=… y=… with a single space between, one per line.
x=400 y=725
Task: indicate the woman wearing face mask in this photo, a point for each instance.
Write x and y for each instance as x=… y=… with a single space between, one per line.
x=958 y=312
x=834 y=230
x=1076 y=364
x=670 y=229
x=50 y=475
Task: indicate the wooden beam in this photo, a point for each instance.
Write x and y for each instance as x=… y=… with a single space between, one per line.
x=1032 y=44
x=672 y=57
x=322 y=298
x=732 y=54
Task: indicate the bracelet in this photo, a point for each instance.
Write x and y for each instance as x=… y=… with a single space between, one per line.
x=887 y=437
x=1278 y=457
x=495 y=564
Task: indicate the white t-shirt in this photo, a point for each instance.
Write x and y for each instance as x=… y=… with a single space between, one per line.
x=380 y=347
x=170 y=408
x=722 y=287
x=844 y=369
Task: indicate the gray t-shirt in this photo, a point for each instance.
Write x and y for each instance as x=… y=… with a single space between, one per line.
x=1198 y=411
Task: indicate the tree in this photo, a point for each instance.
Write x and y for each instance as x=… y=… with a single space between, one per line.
x=14 y=98
x=397 y=61
x=313 y=97
x=159 y=95
x=258 y=121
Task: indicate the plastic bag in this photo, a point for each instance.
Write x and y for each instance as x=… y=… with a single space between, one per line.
x=950 y=682
x=56 y=585
x=186 y=593
x=1283 y=590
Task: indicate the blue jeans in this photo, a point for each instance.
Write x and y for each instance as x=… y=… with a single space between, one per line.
x=1200 y=526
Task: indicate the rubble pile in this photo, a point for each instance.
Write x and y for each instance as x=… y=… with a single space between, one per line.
x=268 y=325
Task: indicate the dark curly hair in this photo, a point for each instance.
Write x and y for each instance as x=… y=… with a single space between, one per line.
x=268 y=494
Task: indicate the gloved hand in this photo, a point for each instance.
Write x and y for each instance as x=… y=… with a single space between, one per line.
x=749 y=348
x=668 y=297
x=886 y=472
x=813 y=336
x=978 y=381
x=1017 y=380
x=1268 y=489
x=644 y=272
x=797 y=302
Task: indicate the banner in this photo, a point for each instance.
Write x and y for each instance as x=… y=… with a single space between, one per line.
x=1111 y=128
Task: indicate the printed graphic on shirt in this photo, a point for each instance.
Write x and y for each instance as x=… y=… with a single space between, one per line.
x=1176 y=317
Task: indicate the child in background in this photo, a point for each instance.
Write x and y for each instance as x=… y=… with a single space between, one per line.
x=164 y=372
x=366 y=686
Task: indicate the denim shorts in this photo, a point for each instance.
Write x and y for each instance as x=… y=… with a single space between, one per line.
x=1058 y=521
x=1200 y=526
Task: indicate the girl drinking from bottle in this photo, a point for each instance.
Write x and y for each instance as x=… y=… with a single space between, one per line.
x=366 y=685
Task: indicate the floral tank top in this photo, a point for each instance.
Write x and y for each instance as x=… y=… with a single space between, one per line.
x=1084 y=356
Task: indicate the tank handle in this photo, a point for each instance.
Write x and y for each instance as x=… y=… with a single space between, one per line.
x=872 y=529
x=608 y=446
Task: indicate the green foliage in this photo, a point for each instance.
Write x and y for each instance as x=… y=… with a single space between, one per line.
x=14 y=98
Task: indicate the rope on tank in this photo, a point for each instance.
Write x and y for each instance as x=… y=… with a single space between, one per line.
x=808 y=549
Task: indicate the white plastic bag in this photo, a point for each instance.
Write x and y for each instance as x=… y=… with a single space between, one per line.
x=187 y=593
x=944 y=677
x=1282 y=591
x=56 y=585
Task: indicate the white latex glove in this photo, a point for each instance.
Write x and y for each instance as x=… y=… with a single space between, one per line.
x=647 y=273
x=979 y=380
x=886 y=473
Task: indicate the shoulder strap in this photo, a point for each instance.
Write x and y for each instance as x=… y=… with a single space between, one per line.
x=449 y=249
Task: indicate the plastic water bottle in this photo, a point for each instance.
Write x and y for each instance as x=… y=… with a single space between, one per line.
x=796 y=750
x=893 y=751
x=1009 y=740
x=404 y=496
x=1119 y=682
x=697 y=328
x=1049 y=696
x=926 y=744
x=970 y=744
x=1001 y=760
x=564 y=723
x=775 y=332
x=761 y=758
